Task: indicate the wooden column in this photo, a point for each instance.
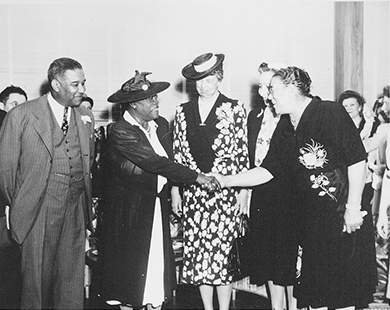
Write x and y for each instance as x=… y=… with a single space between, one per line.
x=348 y=47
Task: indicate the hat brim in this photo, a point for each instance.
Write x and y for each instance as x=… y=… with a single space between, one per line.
x=122 y=96
x=190 y=73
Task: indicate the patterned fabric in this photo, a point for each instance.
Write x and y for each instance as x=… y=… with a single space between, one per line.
x=268 y=126
x=210 y=220
x=65 y=124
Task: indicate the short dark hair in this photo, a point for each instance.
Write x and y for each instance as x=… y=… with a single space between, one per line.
x=4 y=95
x=386 y=91
x=351 y=94
x=297 y=76
x=59 y=66
x=89 y=99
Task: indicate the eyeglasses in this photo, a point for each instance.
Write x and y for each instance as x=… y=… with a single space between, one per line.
x=154 y=98
x=271 y=89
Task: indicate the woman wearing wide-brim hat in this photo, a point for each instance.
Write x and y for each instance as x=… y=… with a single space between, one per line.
x=210 y=135
x=138 y=262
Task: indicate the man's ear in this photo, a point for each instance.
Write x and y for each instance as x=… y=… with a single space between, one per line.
x=55 y=84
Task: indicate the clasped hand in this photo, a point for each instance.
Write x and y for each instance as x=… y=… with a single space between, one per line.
x=208 y=182
x=353 y=219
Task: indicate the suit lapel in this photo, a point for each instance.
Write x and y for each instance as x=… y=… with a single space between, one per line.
x=43 y=123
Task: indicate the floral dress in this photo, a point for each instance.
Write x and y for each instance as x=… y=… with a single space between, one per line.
x=338 y=269
x=210 y=219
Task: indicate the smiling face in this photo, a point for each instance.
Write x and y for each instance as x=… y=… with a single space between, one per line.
x=280 y=95
x=264 y=80
x=208 y=86
x=147 y=109
x=351 y=105
x=69 y=89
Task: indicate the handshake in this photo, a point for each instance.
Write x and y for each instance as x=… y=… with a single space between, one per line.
x=211 y=182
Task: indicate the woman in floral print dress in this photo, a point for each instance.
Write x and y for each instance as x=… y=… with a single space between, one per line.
x=317 y=144
x=210 y=136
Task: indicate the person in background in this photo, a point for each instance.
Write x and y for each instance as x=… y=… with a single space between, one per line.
x=47 y=149
x=87 y=102
x=384 y=204
x=210 y=135
x=364 y=120
x=138 y=261
x=100 y=142
x=10 y=97
x=273 y=235
x=386 y=100
x=10 y=257
x=384 y=151
x=317 y=145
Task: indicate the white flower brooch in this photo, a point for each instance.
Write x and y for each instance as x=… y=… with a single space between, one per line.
x=85 y=119
x=225 y=115
x=313 y=156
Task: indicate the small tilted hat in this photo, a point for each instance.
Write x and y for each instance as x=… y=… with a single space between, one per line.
x=202 y=66
x=137 y=88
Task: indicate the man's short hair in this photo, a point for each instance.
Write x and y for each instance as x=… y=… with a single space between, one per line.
x=4 y=95
x=58 y=67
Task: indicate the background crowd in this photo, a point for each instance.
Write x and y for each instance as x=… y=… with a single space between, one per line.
x=309 y=172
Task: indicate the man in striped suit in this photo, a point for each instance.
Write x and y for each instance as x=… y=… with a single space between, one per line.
x=47 y=148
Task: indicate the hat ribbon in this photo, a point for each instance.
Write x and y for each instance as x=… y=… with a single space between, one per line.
x=206 y=65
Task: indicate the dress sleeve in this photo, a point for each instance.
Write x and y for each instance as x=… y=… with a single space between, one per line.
x=130 y=143
x=342 y=132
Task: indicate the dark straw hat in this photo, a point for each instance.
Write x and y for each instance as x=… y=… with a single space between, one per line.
x=202 y=66
x=137 y=88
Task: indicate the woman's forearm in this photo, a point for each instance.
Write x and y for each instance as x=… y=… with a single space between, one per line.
x=253 y=177
x=356 y=180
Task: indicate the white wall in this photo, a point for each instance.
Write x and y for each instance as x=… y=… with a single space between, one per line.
x=113 y=38
x=376 y=48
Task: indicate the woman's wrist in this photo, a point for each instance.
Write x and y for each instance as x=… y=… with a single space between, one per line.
x=350 y=206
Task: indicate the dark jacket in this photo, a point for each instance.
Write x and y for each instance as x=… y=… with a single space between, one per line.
x=128 y=217
x=2 y=199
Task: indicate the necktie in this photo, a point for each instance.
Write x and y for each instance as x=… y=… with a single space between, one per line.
x=65 y=124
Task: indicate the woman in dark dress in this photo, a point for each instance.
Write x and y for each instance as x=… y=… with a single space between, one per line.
x=364 y=120
x=272 y=246
x=138 y=262
x=318 y=146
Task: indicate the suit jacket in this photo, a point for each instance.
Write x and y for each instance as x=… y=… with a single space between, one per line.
x=2 y=116
x=2 y=200
x=26 y=146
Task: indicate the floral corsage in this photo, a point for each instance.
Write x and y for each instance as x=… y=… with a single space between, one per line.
x=86 y=119
x=225 y=115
